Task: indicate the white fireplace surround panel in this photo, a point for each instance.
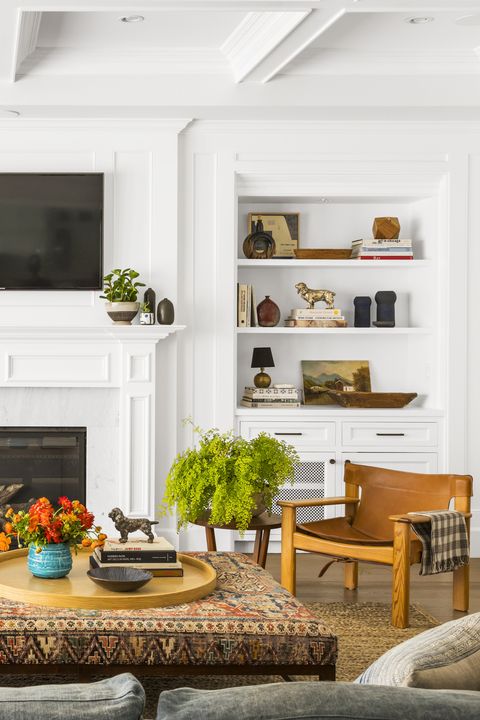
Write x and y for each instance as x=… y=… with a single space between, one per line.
x=119 y=358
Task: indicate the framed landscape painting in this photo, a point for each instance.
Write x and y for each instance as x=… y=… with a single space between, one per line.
x=319 y=376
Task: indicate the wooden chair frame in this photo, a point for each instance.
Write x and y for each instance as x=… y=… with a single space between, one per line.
x=398 y=555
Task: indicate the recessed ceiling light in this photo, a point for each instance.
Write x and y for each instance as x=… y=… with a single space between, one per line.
x=8 y=113
x=132 y=18
x=419 y=20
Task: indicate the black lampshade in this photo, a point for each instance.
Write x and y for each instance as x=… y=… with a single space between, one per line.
x=262 y=358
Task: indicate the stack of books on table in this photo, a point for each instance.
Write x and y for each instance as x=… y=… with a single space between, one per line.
x=397 y=249
x=285 y=396
x=158 y=557
x=316 y=317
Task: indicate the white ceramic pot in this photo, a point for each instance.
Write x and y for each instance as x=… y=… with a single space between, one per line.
x=122 y=313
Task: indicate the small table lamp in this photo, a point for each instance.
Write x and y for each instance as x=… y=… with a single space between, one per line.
x=262 y=358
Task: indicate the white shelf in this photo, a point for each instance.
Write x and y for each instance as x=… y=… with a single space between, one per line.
x=334 y=331
x=337 y=411
x=350 y=264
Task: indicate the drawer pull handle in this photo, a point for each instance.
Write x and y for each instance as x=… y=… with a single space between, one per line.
x=390 y=434
x=288 y=433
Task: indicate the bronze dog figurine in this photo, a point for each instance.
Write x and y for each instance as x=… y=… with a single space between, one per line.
x=126 y=525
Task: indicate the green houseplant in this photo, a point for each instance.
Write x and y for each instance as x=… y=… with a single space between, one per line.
x=121 y=291
x=228 y=476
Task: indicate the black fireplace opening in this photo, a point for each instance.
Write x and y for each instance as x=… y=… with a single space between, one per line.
x=45 y=461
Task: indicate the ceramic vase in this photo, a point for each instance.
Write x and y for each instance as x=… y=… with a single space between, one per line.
x=55 y=560
x=165 y=312
x=268 y=313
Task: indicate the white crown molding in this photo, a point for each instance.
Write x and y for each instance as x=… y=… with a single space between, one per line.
x=61 y=61
x=332 y=61
x=256 y=37
x=28 y=25
x=167 y=125
x=340 y=126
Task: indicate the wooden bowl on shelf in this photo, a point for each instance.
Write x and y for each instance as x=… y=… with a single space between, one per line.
x=371 y=399
x=323 y=253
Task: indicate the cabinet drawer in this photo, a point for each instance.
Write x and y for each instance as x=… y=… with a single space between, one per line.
x=389 y=434
x=415 y=462
x=299 y=434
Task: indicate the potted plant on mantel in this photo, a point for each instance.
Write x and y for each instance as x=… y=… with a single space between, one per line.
x=121 y=291
x=230 y=478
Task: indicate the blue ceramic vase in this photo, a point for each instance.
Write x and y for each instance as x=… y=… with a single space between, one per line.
x=55 y=560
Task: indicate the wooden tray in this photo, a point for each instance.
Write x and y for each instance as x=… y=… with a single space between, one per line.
x=371 y=399
x=78 y=591
x=323 y=253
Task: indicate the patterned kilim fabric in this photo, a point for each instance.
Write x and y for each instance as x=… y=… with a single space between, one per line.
x=444 y=540
x=249 y=619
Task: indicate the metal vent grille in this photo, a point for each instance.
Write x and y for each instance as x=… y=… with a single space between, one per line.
x=309 y=483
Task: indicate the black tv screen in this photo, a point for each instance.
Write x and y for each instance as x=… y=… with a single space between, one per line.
x=51 y=231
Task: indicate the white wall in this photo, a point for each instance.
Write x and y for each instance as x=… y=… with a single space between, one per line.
x=214 y=157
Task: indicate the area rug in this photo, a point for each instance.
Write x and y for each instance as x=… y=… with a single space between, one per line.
x=363 y=629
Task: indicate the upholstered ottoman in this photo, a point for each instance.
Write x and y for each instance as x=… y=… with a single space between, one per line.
x=250 y=624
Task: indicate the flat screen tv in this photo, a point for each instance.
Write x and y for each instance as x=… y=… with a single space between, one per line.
x=51 y=231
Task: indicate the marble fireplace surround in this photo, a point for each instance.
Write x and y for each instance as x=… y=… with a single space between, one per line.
x=103 y=378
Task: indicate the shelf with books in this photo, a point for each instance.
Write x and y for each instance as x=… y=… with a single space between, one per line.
x=345 y=264
x=335 y=331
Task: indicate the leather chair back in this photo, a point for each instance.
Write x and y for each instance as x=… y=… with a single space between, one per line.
x=393 y=492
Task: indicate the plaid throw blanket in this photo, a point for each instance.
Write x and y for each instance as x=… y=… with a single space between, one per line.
x=444 y=540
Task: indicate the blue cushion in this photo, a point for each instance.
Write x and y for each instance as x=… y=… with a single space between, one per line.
x=317 y=701
x=121 y=697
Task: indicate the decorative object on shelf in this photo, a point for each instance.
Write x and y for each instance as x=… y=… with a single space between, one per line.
x=258 y=245
x=283 y=228
x=386 y=228
x=120 y=579
x=150 y=299
x=382 y=249
x=268 y=312
x=121 y=291
x=362 y=304
x=308 y=317
x=285 y=396
x=165 y=312
x=125 y=525
x=262 y=358
x=320 y=376
x=146 y=316
x=372 y=399
x=323 y=253
x=385 y=300
x=246 y=308
x=50 y=533
x=228 y=477
x=313 y=296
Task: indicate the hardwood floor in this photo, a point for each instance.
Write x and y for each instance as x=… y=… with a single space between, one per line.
x=433 y=593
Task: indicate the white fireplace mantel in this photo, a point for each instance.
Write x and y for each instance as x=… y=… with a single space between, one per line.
x=122 y=357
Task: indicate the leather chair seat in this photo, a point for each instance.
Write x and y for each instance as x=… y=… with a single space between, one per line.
x=340 y=530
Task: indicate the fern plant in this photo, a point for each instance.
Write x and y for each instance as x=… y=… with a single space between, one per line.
x=120 y=285
x=224 y=474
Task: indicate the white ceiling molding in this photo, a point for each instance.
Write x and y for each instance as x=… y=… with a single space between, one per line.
x=256 y=37
x=318 y=22
x=26 y=40
x=61 y=61
x=332 y=61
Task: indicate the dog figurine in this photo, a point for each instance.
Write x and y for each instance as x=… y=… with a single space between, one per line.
x=126 y=525
x=312 y=296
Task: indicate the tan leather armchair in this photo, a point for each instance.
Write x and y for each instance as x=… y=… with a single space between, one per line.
x=376 y=528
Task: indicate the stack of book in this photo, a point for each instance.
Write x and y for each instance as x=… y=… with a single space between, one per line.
x=396 y=249
x=316 y=317
x=158 y=557
x=284 y=396
x=246 y=307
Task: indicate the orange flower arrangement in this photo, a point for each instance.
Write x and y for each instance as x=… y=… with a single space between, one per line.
x=42 y=524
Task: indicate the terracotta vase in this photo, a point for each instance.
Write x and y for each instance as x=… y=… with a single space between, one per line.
x=268 y=313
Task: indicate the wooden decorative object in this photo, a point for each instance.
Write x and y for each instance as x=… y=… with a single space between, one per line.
x=259 y=245
x=371 y=399
x=78 y=591
x=323 y=253
x=386 y=228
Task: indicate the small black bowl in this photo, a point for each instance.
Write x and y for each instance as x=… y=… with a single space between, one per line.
x=120 y=579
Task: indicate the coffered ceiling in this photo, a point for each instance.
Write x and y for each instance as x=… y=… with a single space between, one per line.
x=239 y=53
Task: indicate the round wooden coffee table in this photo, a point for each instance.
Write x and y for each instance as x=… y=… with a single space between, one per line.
x=262 y=525
x=78 y=591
